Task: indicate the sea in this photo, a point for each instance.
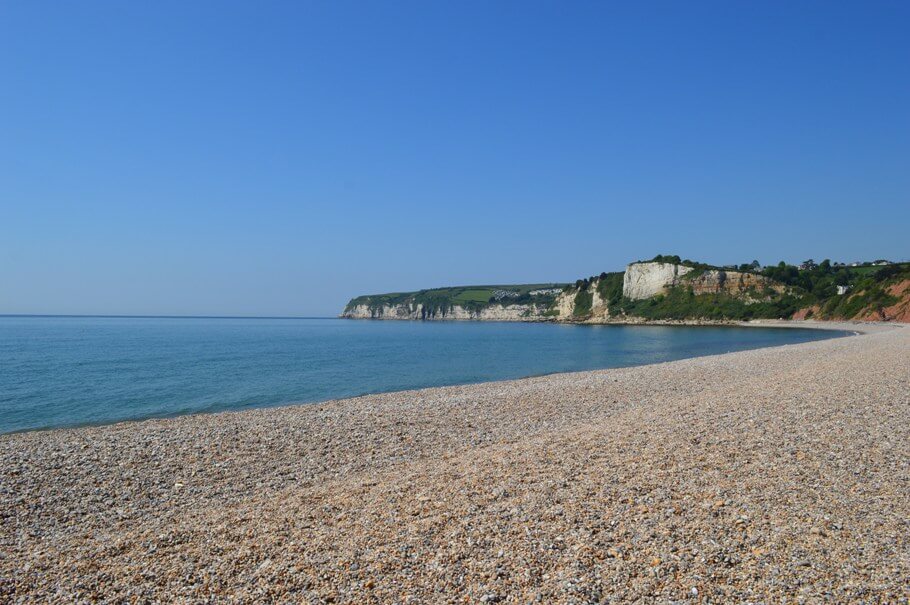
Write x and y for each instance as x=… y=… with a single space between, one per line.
x=72 y=371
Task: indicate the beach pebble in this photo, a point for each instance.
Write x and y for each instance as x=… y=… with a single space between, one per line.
x=773 y=475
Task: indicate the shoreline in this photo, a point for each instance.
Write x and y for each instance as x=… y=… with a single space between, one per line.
x=760 y=475
x=635 y=321
x=768 y=323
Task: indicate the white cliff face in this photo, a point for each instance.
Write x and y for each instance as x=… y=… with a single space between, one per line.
x=489 y=313
x=565 y=304
x=510 y=313
x=599 y=308
x=644 y=280
x=383 y=312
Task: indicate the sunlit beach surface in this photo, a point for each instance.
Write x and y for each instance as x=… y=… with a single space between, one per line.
x=768 y=475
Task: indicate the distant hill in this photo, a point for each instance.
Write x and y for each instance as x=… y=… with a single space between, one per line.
x=668 y=288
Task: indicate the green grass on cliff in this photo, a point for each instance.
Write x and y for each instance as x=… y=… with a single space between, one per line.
x=476 y=295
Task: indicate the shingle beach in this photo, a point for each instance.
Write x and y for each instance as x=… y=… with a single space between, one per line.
x=777 y=475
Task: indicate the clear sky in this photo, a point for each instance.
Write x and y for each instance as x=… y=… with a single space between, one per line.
x=261 y=158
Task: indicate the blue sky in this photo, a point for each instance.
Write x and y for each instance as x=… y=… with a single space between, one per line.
x=261 y=158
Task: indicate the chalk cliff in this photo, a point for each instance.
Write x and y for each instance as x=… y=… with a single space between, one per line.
x=661 y=289
x=666 y=289
x=584 y=301
x=564 y=305
x=419 y=311
x=645 y=280
x=573 y=304
x=599 y=307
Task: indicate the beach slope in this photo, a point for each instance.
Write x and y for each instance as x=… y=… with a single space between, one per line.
x=766 y=475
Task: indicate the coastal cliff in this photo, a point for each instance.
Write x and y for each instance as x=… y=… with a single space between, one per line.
x=419 y=311
x=649 y=279
x=586 y=301
x=529 y=302
x=644 y=280
x=667 y=289
x=607 y=298
x=621 y=297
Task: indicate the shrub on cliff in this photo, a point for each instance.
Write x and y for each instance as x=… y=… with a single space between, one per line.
x=609 y=287
x=583 y=302
x=682 y=303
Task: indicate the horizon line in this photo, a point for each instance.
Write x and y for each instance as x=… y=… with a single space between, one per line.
x=109 y=316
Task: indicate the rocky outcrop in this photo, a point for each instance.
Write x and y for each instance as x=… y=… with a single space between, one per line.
x=564 y=305
x=899 y=311
x=379 y=312
x=599 y=308
x=455 y=312
x=644 y=280
x=734 y=283
x=564 y=308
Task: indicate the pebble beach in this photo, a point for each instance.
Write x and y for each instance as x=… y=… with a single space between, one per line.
x=778 y=475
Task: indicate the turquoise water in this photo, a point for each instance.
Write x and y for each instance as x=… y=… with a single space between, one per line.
x=64 y=371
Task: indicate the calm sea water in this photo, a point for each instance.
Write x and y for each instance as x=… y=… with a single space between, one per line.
x=63 y=371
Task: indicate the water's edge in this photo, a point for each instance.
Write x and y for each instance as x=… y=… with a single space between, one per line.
x=836 y=330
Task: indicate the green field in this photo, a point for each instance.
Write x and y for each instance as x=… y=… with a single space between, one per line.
x=477 y=295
